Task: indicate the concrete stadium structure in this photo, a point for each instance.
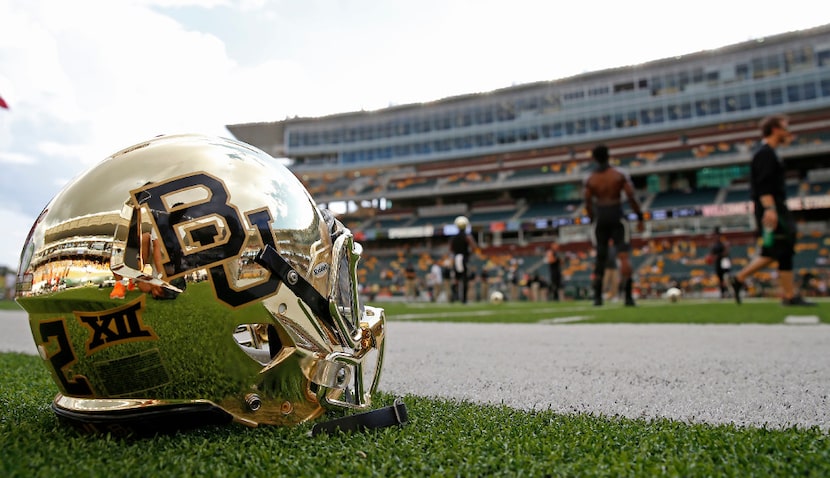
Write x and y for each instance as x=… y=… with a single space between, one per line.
x=513 y=159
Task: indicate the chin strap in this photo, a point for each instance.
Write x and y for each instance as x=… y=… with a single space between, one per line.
x=380 y=418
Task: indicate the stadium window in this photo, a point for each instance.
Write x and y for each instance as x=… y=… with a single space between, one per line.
x=605 y=122
x=627 y=86
x=625 y=120
x=760 y=99
x=731 y=102
x=488 y=115
x=810 y=91
x=825 y=87
x=657 y=115
x=773 y=66
x=712 y=77
x=793 y=93
x=645 y=116
x=533 y=134
x=776 y=96
x=384 y=130
x=671 y=83
x=443 y=122
x=656 y=85
x=758 y=69
x=682 y=80
x=403 y=128
x=674 y=112
x=463 y=143
x=701 y=108
x=506 y=137
x=742 y=72
x=799 y=59
x=681 y=111
x=402 y=150
x=744 y=101
x=823 y=58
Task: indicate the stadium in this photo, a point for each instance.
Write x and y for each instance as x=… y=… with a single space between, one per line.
x=513 y=161
x=684 y=387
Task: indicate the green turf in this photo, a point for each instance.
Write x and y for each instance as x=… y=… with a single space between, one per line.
x=757 y=311
x=443 y=438
x=6 y=304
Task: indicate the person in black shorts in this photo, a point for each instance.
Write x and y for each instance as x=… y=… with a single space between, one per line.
x=603 y=192
x=775 y=222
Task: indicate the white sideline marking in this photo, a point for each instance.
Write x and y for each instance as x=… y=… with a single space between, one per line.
x=564 y=320
x=802 y=319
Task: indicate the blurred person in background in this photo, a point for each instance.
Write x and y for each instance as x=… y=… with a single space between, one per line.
x=775 y=223
x=603 y=189
x=554 y=261
x=461 y=246
x=719 y=255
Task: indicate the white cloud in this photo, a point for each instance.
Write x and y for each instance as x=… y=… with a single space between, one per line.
x=16 y=158
x=15 y=228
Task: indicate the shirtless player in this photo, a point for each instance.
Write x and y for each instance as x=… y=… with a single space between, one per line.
x=603 y=201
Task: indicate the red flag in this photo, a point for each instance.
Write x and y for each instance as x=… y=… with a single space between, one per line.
x=3 y=103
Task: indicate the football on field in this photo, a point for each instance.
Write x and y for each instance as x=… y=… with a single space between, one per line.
x=496 y=297
x=673 y=294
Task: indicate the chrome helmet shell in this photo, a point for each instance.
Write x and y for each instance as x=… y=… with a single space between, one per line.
x=188 y=280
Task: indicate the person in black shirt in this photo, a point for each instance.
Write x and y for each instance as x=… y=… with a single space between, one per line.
x=461 y=246
x=603 y=190
x=774 y=220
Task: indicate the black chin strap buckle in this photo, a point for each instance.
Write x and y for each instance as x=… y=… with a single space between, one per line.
x=381 y=418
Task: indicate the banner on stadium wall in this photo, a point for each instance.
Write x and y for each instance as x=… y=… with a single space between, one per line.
x=411 y=232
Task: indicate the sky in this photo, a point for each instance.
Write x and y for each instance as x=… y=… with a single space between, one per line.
x=86 y=78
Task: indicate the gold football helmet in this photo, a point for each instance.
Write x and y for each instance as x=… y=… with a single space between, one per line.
x=188 y=280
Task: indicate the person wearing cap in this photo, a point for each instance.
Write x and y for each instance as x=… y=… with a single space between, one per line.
x=603 y=192
x=461 y=246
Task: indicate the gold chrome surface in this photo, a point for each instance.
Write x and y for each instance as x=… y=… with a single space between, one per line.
x=178 y=222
